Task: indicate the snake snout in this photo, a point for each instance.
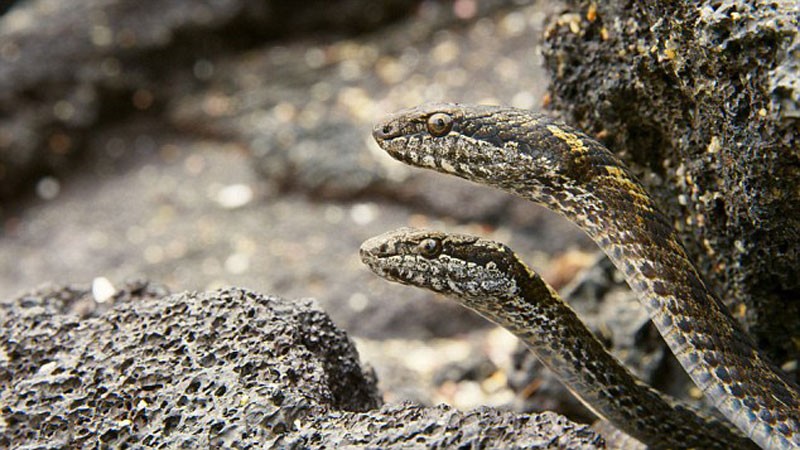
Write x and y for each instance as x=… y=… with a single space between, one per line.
x=371 y=249
x=365 y=253
x=382 y=132
x=385 y=130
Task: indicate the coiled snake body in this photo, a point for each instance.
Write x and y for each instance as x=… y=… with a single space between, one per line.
x=552 y=164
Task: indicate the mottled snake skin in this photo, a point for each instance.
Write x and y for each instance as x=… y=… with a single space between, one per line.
x=488 y=278
x=561 y=168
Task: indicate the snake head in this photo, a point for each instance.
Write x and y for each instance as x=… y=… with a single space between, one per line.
x=459 y=265
x=443 y=137
x=509 y=148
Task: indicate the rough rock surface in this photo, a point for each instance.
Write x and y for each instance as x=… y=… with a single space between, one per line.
x=231 y=368
x=443 y=427
x=185 y=369
x=703 y=100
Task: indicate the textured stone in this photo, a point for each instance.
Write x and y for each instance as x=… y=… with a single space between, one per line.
x=223 y=368
x=228 y=369
x=702 y=100
x=442 y=427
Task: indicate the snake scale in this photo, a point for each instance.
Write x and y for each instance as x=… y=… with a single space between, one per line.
x=488 y=278
x=554 y=165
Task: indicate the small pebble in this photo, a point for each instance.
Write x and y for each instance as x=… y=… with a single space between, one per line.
x=102 y=289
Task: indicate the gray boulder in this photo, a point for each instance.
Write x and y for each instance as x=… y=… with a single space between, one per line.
x=227 y=369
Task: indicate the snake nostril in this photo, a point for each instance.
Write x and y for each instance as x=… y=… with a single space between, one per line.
x=386 y=131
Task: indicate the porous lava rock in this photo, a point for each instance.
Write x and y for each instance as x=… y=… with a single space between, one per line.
x=702 y=99
x=224 y=369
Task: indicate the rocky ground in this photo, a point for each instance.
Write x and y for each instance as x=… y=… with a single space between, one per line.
x=229 y=369
x=203 y=145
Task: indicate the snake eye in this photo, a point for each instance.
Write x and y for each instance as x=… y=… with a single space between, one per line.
x=430 y=248
x=440 y=124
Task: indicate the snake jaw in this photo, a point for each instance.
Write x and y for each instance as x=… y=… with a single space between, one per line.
x=402 y=133
x=385 y=255
x=459 y=266
x=408 y=137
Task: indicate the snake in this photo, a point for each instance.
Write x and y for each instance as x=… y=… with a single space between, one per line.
x=490 y=279
x=561 y=168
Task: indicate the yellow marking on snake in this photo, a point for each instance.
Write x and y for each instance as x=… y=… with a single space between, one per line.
x=576 y=144
x=574 y=141
x=624 y=180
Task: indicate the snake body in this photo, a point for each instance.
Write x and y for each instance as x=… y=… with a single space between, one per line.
x=488 y=278
x=549 y=163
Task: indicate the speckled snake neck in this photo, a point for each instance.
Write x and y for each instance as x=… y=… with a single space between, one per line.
x=561 y=168
x=490 y=279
